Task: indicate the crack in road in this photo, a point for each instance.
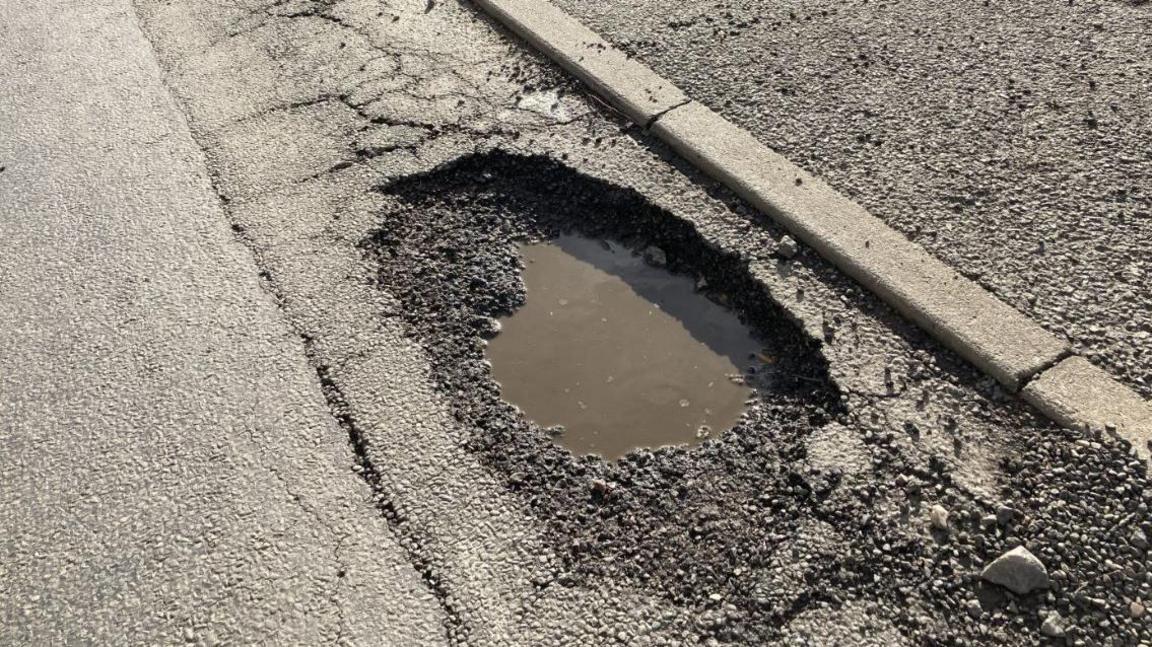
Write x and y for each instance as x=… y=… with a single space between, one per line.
x=456 y=629
x=357 y=443
x=339 y=537
x=362 y=466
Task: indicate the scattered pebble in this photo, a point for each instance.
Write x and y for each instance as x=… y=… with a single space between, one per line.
x=655 y=256
x=787 y=247
x=602 y=488
x=938 y=517
x=1005 y=515
x=489 y=327
x=1017 y=570
x=1053 y=626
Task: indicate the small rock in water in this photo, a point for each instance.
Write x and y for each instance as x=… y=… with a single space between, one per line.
x=938 y=517
x=787 y=247
x=1136 y=609
x=1017 y=570
x=488 y=327
x=655 y=256
x=703 y=431
x=1053 y=626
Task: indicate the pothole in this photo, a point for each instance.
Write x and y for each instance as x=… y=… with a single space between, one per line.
x=672 y=519
x=611 y=352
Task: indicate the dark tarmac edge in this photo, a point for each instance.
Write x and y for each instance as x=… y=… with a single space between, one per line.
x=954 y=310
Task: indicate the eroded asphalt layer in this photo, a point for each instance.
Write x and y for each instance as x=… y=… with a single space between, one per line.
x=382 y=161
x=1008 y=138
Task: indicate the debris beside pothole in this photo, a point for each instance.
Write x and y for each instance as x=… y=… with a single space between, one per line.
x=1017 y=570
x=1053 y=626
x=787 y=248
x=938 y=517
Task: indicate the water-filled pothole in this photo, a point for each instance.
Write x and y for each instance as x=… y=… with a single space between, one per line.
x=744 y=532
x=619 y=352
x=673 y=519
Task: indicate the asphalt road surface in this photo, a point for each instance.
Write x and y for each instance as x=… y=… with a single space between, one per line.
x=171 y=470
x=250 y=255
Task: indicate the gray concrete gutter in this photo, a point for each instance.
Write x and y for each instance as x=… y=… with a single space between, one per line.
x=960 y=314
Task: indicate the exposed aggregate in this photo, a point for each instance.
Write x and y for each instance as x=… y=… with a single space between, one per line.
x=714 y=526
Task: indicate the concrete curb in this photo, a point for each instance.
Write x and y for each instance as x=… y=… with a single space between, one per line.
x=629 y=86
x=1077 y=394
x=963 y=316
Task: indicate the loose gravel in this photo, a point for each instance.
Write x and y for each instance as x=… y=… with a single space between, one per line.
x=742 y=528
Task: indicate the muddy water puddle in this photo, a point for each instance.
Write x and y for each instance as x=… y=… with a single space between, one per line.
x=618 y=351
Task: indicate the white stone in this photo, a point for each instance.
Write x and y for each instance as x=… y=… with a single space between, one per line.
x=938 y=517
x=1017 y=570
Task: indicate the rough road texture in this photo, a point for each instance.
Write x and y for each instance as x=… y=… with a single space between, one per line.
x=171 y=472
x=343 y=136
x=1008 y=138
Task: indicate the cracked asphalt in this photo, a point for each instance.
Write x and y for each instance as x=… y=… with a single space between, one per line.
x=364 y=170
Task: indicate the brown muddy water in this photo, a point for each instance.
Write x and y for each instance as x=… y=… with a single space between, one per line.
x=621 y=353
